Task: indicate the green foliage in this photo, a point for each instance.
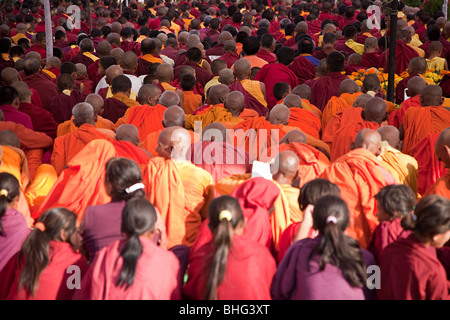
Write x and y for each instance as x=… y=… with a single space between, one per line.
x=414 y=3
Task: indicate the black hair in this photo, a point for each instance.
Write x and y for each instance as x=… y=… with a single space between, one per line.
x=121 y=174
x=397 y=200
x=8 y=94
x=9 y=190
x=285 y=55
x=187 y=82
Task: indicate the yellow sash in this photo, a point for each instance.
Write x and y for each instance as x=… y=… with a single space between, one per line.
x=109 y=94
x=151 y=58
x=51 y=74
x=357 y=47
x=91 y=56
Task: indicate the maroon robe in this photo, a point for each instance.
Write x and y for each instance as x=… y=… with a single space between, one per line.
x=61 y=105
x=324 y=88
x=303 y=69
x=271 y=74
x=230 y=58
x=170 y=52
x=250 y=101
x=92 y=72
x=201 y=74
x=370 y=60
x=344 y=48
x=46 y=88
x=400 y=89
x=131 y=46
x=198 y=89
x=38 y=49
x=403 y=55
x=114 y=109
x=42 y=120
x=36 y=99
x=81 y=58
x=266 y=55
x=320 y=54
x=217 y=50
x=154 y=24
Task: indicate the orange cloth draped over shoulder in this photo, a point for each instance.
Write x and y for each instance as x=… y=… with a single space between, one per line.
x=219 y=114
x=102 y=123
x=128 y=150
x=15 y=163
x=429 y=166
x=309 y=106
x=145 y=118
x=419 y=123
x=396 y=117
x=338 y=104
x=441 y=186
x=226 y=186
x=39 y=188
x=179 y=191
x=359 y=179
x=82 y=183
x=307 y=121
x=348 y=115
x=192 y=101
x=67 y=146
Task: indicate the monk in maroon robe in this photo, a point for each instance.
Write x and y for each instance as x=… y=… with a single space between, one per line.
x=403 y=55
x=194 y=57
x=303 y=69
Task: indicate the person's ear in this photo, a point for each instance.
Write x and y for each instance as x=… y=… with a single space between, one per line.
x=442 y=100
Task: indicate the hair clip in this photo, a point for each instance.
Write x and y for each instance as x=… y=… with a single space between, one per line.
x=40 y=226
x=4 y=192
x=332 y=219
x=225 y=214
x=135 y=187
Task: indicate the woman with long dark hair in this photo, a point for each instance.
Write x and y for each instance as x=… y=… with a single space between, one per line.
x=229 y=266
x=48 y=266
x=134 y=268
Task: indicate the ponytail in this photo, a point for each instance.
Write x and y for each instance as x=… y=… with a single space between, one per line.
x=331 y=218
x=124 y=177
x=225 y=215
x=36 y=247
x=9 y=190
x=138 y=217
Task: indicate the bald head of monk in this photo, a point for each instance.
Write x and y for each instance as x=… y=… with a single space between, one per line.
x=169 y=98
x=83 y=113
x=292 y=101
x=370 y=45
x=234 y=103
x=9 y=138
x=128 y=132
x=112 y=72
x=149 y=94
x=174 y=143
x=368 y=139
x=242 y=69
x=361 y=101
x=23 y=90
x=9 y=76
x=442 y=147
x=279 y=114
x=417 y=65
x=31 y=66
x=226 y=76
x=225 y=36
x=415 y=86
x=303 y=91
x=217 y=94
x=431 y=96
x=285 y=167
x=215 y=131
x=174 y=116
x=391 y=135
x=375 y=110
x=292 y=136
x=97 y=102
x=164 y=73
x=301 y=28
x=371 y=83
x=117 y=53
x=348 y=86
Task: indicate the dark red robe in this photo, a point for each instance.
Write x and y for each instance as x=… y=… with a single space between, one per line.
x=114 y=109
x=61 y=105
x=45 y=88
x=403 y=55
x=43 y=120
x=303 y=69
x=325 y=87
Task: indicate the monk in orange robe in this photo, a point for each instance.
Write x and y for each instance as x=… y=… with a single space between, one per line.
x=103 y=125
x=431 y=118
x=415 y=87
x=307 y=121
x=164 y=74
x=81 y=184
x=147 y=118
x=348 y=92
x=126 y=144
x=216 y=97
x=67 y=146
x=442 y=185
x=304 y=92
x=372 y=116
x=191 y=100
x=179 y=189
x=359 y=176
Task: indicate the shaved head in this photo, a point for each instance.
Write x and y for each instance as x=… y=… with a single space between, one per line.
x=348 y=86
x=128 y=132
x=9 y=138
x=442 y=147
x=431 y=96
x=285 y=168
x=149 y=94
x=164 y=73
x=23 y=90
x=303 y=91
x=392 y=135
x=242 y=68
x=83 y=113
x=174 y=116
x=96 y=101
x=279 y=115
x=112 y=72
x=217 y=94
x=174 y=143
x=361 y=101
x=169 y=98
x=294 y=136
x=375 y=110
x=234 y=103
x=415 y=86
x=213 y=131
x=292 y=101
x=9 y=76
x=226 y=76
x=368 y=139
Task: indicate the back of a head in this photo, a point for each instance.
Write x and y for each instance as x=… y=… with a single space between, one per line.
x=9 y=190
x=417 y=65
x=31 y=66
x=65 y=82
x=313 y=190
x=396 y=201
x=251 y=45
x=83 y=113
x=121 y=83
x=124 y=179
x=129 y=61
x=187 y=82
x=169 y=98
x=8 y=94
x=335 y=62
x=431 y=96
x=9 y=138
x=375 y=110
x=285 y=55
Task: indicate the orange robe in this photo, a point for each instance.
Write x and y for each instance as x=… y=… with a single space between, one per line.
x=359 y=179
x=338 y=104
x=309 y=106
x=349 y=115
x=396 y=117
x=441 y=186
x=39 y=188
x=81 y=184
x=145 y=118
x=192 y=101
x=128 y=150
x=179 y=190
x=125 y=99
x=67 y=146
x=218 y=114
x=106 y=126
x=418 y=123
x=305 y=120
x=151 y=141
x=429 y=166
